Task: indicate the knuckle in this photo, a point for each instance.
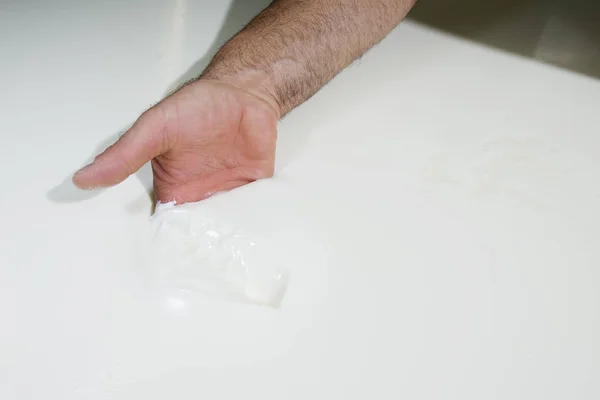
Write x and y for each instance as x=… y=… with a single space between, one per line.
x=268 y=170
x=154 y=122
x=125 y=163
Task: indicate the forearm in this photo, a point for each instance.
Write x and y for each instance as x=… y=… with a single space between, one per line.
x=294 y=47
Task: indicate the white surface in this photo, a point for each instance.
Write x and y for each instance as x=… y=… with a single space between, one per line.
x=437 y=203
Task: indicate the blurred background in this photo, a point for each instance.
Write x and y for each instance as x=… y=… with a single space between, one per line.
x=565 y=33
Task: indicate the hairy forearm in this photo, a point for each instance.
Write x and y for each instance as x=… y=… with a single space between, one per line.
x=294 y=47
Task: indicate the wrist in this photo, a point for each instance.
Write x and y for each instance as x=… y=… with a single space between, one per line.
x=256 y=83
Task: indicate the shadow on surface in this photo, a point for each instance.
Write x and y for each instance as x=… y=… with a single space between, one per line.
x=66 y=192
x=565 y=33
x=240 y=12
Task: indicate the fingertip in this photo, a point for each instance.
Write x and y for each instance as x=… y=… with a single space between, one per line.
x=80 y=178
x=89 y=178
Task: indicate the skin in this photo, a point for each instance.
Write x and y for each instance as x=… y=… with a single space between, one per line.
x=219 y=131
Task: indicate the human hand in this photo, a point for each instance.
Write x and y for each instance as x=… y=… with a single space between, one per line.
x=207 y=137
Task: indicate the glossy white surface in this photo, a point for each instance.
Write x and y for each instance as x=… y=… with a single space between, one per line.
x=437 y=203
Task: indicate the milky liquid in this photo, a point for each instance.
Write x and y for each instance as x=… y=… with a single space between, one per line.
x=189 y=251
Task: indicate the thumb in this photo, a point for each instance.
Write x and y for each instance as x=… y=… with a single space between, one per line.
x=145 y=140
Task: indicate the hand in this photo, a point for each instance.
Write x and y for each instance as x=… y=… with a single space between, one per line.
x=207 y=137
